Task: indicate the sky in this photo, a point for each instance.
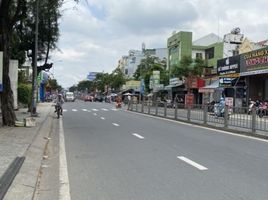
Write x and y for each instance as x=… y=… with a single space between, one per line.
x=95 y=34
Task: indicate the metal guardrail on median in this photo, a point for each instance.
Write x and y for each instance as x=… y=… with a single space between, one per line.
x=235 y=118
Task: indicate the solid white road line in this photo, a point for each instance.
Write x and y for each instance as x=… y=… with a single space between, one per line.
x=102 y=118
x=74 y=110
x=138 y=136
x=95 y=114
x=95 y=109
x=64 y=190
x=104 y=109
x=64 y=110
x=115 y=124
x=84 y=110
x=194 y=164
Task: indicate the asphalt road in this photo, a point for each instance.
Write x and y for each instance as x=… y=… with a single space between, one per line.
x=118 y=155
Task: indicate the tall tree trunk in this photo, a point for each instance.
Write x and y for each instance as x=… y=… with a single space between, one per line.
x=7 y=100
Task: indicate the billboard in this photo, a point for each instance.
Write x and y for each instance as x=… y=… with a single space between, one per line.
x=229 y=67
x=92 y=76
x=254 y=62
x=1 y=71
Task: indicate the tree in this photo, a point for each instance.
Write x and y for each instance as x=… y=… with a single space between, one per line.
x=189 y=68
x=147 y=66
x=10 y=13
x=53 y=85
x=117 y=79
x=73 y=88
x=102 y=81
x=85 y=85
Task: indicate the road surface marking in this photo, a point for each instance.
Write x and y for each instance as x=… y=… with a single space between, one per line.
x=138 y=136
x=115 y=124
x=104 y=109
x=95 y=109
x=114 y=109
x=102 y=118
x=89 y=111
x=84 y=110
x=64 y=190
x=95 y=114
x=74 y=110
x=194 y=164
x=214 y=130
x=64 y=110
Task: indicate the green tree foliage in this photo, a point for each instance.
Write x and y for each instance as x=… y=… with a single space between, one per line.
x=188 y=67
x=146 y=68
x=22 y=78
x=85 y=85
x=117 y=79
x=73 y=88
x=53 y=85
x=102 y=80
x=24 y=93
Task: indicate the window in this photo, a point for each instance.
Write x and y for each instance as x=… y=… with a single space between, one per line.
x=209 y=53
x=198 y=55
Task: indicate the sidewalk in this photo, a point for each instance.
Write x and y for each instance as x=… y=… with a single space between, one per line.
x=20 y=141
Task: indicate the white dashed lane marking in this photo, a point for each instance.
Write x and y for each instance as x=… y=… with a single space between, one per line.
x=194 y=164
x=74 y=110
x=115 y=124
x=102 y=118
x=138 y=136
x=84 y=110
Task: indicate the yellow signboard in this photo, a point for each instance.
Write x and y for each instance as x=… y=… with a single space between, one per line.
x=230 y=75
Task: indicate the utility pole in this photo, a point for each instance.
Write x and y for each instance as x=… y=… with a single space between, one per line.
x=34 y=96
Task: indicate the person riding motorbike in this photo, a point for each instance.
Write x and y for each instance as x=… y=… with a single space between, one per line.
x=59 y=102
x=118 y=101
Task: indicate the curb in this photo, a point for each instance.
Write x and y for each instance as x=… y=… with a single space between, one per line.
x=24 y=184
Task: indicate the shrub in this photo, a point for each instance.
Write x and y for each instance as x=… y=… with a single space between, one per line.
x=24 y=93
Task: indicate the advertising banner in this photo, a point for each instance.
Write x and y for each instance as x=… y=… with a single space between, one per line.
x=189 y=100
x=1 y=71
x=229 y=67
x=254 y=62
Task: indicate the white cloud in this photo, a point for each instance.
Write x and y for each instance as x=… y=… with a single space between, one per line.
x=96 y=34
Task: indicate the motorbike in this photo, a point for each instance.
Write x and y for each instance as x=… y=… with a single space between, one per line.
x=58 y=111
x=263 y=109
x=118 y=105
x=250 y=107
x=219 y=110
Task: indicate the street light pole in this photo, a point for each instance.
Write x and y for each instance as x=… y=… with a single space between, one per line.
x=34 y=96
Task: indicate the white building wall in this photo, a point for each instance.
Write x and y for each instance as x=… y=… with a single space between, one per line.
x=194 y=52
x=13 y=75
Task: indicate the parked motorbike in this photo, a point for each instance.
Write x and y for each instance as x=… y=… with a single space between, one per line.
x=250 y=107
x=263 y=109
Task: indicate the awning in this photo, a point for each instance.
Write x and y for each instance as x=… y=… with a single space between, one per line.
x=210 y=88
x=169 y=87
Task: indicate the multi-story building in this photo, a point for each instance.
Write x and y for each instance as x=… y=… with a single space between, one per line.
x=211 y=48
x=129 y=64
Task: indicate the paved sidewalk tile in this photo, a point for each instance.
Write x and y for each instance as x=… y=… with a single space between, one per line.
x=14 y=141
